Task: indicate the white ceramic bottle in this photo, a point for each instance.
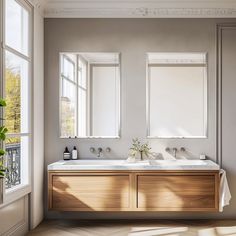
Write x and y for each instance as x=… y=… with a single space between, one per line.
x=74 y=153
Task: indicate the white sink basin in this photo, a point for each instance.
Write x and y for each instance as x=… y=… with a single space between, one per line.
x=141 y=165
x=103 y=162
x=179 y=162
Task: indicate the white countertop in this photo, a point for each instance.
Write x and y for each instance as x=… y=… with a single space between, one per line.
x=102 y=164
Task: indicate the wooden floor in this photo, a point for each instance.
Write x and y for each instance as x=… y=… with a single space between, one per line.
x=135 y=228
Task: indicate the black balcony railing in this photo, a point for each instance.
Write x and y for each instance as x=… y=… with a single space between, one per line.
x=13 y=165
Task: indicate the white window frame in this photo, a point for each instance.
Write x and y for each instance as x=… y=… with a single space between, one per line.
x=20 y=190
x=85 y=89
x=75 y=82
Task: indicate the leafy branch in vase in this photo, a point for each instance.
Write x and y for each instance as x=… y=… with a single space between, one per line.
x=139 y=148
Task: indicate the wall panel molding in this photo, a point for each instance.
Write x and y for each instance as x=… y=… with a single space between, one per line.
x=15 y=222
x=219 y=30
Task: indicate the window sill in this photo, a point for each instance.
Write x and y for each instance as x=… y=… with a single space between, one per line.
x=15 y=193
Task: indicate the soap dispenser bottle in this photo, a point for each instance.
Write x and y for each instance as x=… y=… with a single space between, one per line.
x=74 y=153
x=66 y=154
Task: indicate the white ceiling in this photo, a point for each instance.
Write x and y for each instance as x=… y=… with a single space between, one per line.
x=138 y=8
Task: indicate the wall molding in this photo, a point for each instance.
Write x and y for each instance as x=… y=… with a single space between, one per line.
x=136 y=8
x=39 y=5
x=139 y=12
x=219 y=30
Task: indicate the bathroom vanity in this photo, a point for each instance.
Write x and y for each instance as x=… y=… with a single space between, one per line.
x=115 y=185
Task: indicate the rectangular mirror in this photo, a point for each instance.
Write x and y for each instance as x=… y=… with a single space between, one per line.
x=177 y=95
x=90 y=95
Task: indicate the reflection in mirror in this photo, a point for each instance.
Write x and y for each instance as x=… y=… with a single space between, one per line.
x=89 y=95
x=177 y=95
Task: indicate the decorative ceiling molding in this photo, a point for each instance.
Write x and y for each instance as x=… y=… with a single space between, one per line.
x=39 y=5
x=138 y=8
x=185 y=12
x=141 y=12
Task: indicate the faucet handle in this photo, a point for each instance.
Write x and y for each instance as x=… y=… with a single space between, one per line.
x=167 y=149
x=99 y=152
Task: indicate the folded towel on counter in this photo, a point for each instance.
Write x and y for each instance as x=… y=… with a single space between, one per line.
x=225 y=194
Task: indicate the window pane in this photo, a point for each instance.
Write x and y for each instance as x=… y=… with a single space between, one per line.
x=68 y=109
x=82 y=73
x=17 y=27
x=68 y=68
x=17 y=94
x=16 y=161
x=82 y=113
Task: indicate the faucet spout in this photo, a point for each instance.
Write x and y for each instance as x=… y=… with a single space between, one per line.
x=99 y=152
x=175 y=151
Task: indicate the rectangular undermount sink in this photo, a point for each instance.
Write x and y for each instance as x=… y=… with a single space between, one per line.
x=103 y=162
x=139 y=165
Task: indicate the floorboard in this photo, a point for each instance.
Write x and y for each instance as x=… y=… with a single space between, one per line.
x=135 y=228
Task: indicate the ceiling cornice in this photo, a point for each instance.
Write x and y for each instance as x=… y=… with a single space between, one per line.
x=142 y=12
x=39 y=5
x=138 y=8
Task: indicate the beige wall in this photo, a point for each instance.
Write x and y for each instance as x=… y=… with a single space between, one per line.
x=132 y=38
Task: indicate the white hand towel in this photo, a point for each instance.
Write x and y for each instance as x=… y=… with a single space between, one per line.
x=225 y=194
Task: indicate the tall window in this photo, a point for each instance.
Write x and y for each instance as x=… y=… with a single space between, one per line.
x=17 y=87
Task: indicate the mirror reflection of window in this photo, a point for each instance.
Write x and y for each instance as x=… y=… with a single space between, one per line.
x=90 y=95
x=68 y=96
x=177 y=95
x=83 y=128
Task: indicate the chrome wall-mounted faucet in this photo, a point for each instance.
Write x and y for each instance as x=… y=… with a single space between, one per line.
x=99 y=152
x=173 y=150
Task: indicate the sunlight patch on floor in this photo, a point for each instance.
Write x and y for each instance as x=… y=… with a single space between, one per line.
x=226 y=230
x=218 y=231
x=207 y=232
x=151 y=231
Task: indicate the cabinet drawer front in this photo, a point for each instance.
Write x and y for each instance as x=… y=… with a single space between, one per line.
x=94 y=192
x=177 y=192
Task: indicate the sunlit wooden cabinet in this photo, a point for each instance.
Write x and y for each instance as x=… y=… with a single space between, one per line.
x=133 y=191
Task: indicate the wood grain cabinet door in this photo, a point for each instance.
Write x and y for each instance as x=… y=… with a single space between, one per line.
x=176 y=192
x=90 y=192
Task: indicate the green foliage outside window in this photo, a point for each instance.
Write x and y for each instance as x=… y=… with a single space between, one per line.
x=12 y=112
x=13 y=109
x=3 y=131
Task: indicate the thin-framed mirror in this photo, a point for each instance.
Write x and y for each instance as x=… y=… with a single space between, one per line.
x=90 y=95
x=176 y=95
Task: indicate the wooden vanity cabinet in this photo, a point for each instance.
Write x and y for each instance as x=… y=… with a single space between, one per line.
x=89 y=191
x=133 y=191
